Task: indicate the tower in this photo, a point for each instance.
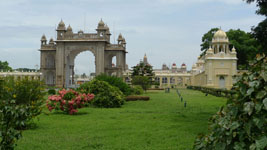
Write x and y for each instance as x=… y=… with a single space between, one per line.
x=61 y=29
x=220 y=62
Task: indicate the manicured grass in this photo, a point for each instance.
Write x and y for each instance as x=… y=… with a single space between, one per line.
x=159 y=124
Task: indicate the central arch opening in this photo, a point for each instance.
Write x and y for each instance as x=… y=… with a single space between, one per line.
x=84 y=67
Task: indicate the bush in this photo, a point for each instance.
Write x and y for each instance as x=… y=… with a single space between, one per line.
x=135 y=98
x=117 y=82
x=242 y=124
x=105 y=95
x=68 y=101
x=24 y=92
x=137 y=90
x=20 y=102
x=51 y=91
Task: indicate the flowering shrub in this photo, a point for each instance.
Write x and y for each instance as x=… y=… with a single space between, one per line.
x=68 y=101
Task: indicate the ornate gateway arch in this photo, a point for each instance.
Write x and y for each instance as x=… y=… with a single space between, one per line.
x=57 y=57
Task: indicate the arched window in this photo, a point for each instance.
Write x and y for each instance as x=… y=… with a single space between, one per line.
x=157 y=80
x=164 y=80
x=222 y=82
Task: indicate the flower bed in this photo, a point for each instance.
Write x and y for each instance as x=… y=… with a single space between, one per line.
x=68 y=101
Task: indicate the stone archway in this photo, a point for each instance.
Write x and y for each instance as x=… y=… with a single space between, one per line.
x=70 y=64
x=68 y=45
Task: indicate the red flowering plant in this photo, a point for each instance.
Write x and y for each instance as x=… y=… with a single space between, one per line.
x=68 y=101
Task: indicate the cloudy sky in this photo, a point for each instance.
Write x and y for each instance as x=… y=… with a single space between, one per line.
x=167 y=31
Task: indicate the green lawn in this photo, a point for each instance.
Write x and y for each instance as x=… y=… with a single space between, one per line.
x=159 y=124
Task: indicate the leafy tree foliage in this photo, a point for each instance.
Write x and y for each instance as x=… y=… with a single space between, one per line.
x=106 y=95
x=117 y=82
x=4 y=66
x=242 y=124
x=143 y=75
x=143 y=69
x=262 y=4
x=260 y=32
x=246 y=46
x=143 y=81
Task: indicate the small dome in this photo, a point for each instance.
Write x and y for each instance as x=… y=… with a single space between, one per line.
x=183 y=65
x=101 y=23
x=51 y=41
x=43 y=38
x=80 y=32
x=123 y=41
x=209 y=51
x=61 y=25
x=69 y=28
x=220 y=34
x=174 y=64
x=233 y=50
x=120 y=38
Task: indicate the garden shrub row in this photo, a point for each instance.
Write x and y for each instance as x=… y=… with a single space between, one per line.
x=135 y=98
x=213 y=91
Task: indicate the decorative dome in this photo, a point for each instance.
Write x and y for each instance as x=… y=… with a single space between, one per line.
x=209 y=51
x=69 y=28
x=233 y=50
x=120 y=38
x=174 y=64
x=183 y=64
x=123 y=40
x=61 y=25
x=80 y=32
x=101 y=24
x=43 y=38
x=51 y=41
x=220 y=34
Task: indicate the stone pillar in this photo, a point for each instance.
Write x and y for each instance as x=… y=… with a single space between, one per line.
x=60 y=65
x=160 y=82
x=100 y=61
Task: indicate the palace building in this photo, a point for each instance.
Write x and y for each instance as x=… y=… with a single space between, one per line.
x=215 y=69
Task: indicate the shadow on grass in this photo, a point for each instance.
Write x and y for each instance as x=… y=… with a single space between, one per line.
x=64 y=113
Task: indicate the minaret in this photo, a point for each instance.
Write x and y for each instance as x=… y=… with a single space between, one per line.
x=145 y=60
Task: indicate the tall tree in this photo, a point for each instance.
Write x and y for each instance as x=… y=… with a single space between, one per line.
x=260 y=31
x=143 y=69
x=246 y=46
x=5 y=66
x=143 y=75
